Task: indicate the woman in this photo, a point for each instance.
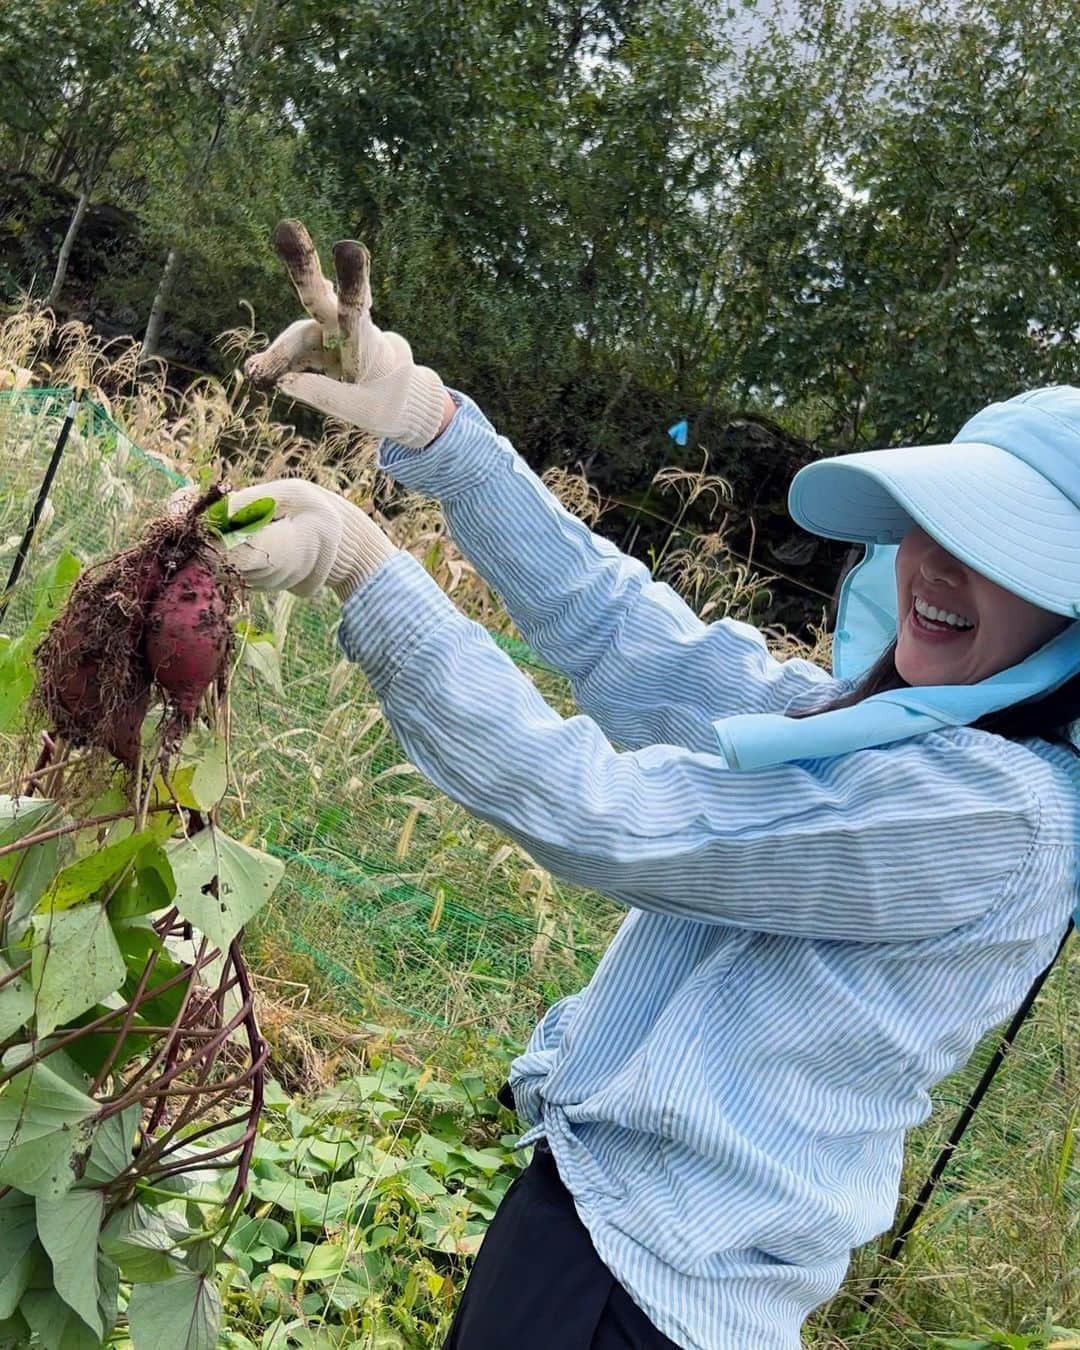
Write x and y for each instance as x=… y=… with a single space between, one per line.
x=833 y=889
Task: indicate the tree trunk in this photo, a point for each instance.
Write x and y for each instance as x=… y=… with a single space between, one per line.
x=68 y=244
x=152 y=338
x=60 y=164
x=27 y=154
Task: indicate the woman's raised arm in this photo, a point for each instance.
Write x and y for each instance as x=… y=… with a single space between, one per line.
x=641 y=663
x=836 y=849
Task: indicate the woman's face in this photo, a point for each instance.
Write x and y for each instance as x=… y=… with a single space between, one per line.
x=974 y=627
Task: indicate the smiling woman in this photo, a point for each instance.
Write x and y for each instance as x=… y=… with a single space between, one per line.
x=985 y=571
x=719 y=1115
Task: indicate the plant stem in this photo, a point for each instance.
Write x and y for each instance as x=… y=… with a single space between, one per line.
x=29 y=840
x=204 y=503
x=13 y=975
x=129 y=1018
x=99 y=1023
x=260 y=1053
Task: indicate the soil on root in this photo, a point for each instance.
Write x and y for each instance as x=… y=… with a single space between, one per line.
x=94 y=680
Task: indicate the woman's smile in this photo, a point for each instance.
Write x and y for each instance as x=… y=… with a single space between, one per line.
x=936 y=623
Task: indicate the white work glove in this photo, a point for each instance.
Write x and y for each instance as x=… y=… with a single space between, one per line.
x=371 y=380
x=316 y=538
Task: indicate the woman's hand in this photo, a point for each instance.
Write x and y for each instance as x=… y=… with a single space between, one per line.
x=370 y=378
x=316 y=538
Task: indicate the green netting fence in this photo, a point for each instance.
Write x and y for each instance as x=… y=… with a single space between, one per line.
x=393 y=894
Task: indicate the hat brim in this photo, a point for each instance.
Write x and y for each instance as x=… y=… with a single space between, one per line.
x=987 y=507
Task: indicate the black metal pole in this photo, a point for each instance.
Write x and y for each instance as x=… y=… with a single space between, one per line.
x=39 y=504
x=963 y=1121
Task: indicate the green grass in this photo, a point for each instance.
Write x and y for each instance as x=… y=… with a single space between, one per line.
x=395 y=894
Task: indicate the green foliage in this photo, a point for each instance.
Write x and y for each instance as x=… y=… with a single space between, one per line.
x=183 y=1313
x=45 y=1124
x=233 y=529
x=367 y=1204
x=16 y=677
x=81 y=1217
x=1050 y=1338
x=596 y=219
x=75 y=963
x=221 y=884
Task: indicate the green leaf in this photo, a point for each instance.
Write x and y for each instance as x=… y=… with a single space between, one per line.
x=258 y=512
x=139 y=1241
x=75 y=963
x=217 y=514
x=178 y=1314
x=137 y=945
x=155 y=874
x=44 y=1132
x=258 y=1235
x=14 y=1332
x=16 y=1003
x=16 y=656
x=51 y=591
x=68 y=1226
x=27 y=872
x=16 y=683
x=260 y=653
x=326 y=1262
x=113 y=1147
x=90 y=1051
x=18 y=1232
x=112 y=799
x=20 y=816
x=220 y=883
x=304 y=1203
x=150 y=889
x=87 y=876
x=32 y=879
x=59 y=1327
x=244 y=521
x=200 y=778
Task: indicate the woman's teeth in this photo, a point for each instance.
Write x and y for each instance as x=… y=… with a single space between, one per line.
x=941 y=616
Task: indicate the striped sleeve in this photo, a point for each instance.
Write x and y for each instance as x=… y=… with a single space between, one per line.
x=641 y=663
x=860 y=847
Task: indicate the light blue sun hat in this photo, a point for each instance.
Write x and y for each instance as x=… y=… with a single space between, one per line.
x=1004 y=498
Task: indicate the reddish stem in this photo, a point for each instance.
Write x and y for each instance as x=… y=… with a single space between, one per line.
x=29 y=840
x=129 y=1096
x=132 y=1009
x=44 y=761
x=260 y=1053
x=98 y=1024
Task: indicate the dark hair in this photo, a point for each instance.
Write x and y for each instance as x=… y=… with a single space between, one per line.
x=1049 y=717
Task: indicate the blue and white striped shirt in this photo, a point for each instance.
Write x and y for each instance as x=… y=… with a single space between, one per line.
x=808 y=948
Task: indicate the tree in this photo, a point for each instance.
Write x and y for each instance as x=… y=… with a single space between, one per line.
x=78 y=80
x=224 y=45
x=947 y=271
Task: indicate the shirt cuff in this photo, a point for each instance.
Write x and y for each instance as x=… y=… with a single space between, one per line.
x=460 y=459
x=389 y=615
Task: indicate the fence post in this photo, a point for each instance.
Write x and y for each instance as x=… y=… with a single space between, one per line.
x=39 y=504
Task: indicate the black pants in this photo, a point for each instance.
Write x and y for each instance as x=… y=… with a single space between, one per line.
x=538 y=1283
